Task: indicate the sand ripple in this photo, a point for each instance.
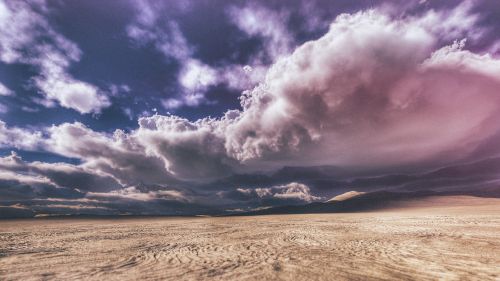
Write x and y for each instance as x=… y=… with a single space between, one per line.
x=314 y=247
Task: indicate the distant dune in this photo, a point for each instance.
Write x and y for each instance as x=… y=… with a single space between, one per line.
x=354 y=201
x=346 y=196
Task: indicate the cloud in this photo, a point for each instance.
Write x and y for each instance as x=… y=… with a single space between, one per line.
x=150 y=28
x=195 y=77
x=270 y=26
x=133 y=193
x=457 y=22
x=27 y=37
x=15 y=187
x=292 y=193
x=4 y=91
x=372 y=93
x=119 y=155
x=365 y=94
x=381 y=92
x=267 y=24
x=19 y=138
x=58 y=174
x=152 y=25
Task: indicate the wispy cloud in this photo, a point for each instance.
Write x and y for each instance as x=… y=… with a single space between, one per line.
x=27 y=37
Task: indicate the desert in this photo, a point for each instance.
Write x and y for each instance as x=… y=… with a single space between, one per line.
x=445 y=238
x=250 y=140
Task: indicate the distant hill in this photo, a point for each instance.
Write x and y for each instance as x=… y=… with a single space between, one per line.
x=363 y=202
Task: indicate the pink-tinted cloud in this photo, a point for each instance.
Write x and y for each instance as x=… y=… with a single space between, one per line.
x=374 y=92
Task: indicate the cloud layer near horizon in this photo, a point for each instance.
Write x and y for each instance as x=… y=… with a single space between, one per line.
x=373 y=93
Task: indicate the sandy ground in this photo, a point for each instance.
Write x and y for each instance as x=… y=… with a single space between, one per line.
x=457 y=241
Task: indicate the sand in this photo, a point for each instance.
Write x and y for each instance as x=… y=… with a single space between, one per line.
x=458 y=241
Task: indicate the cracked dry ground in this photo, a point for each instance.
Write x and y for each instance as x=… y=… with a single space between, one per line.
x=383 y=245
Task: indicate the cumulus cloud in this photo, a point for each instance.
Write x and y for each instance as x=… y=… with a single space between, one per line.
x=371 y=93
x=119 y=154
x=69 y=92
x=366 y=93
x=379 y=91
x=195 y=78
x=19 y=138
x=27 y=37
x=292 y=193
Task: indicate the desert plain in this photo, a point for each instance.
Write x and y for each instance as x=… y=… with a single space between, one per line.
x=446 y=238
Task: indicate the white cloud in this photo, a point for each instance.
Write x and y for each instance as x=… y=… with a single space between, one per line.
x=134 y=193
x=58 y=174
x=119 y=155
x=27 y=37
x=164 y=35
x=70 y=93
x=289 y=192
x=152 y=26
x=195 y=77
x=271 y=27
x=4 y=91
x=267 y=24
x=19 y=138
x=371 y=93
x=452 y=24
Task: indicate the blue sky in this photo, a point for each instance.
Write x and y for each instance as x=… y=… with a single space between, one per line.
x=169 y=104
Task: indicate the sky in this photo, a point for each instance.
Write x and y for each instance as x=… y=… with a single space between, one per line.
x=202 y=107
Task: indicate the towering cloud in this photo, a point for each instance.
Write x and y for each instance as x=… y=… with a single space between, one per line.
x=376 y=92
x=372 y=92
